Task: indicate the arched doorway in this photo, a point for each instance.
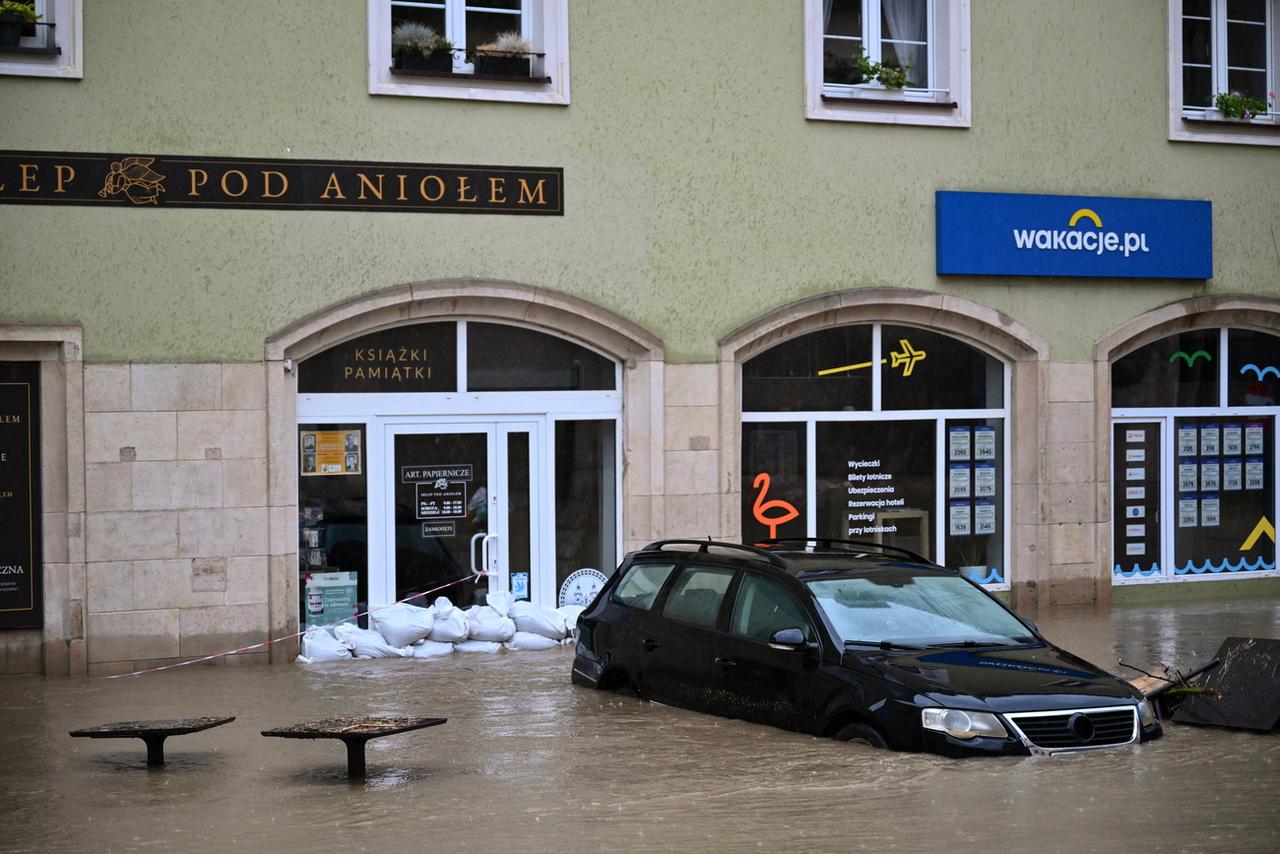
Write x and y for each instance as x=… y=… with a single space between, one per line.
x=455 y=431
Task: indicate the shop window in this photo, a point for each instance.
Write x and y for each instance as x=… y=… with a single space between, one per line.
x=1181 y=370
x=1223 y=61
x=1194 y=468
x=919 y=463
x=332 y=523
x=511 y=358
x=899 y=61
x=586 y=497
x=49 y=47
x=531 y=69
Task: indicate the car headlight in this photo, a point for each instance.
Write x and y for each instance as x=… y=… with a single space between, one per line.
x=1146 y=714
x=964 y=725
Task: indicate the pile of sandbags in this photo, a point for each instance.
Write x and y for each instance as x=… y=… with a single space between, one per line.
x=407 y=631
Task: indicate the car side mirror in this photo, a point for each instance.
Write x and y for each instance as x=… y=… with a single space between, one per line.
x=788 y=639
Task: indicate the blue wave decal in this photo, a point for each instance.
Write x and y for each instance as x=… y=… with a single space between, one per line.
x=1261 y=372
x=995 y=576
x=1225 y=565
x=1190 y=358
x=1137 y=571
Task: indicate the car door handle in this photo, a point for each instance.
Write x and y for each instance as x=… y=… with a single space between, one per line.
x=725 y=662
x=648 y=644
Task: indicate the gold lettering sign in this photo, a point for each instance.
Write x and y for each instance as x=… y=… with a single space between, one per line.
x=133 y=180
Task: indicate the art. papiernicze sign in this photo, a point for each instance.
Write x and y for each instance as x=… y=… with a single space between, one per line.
x=159 y=180
x=21 y=604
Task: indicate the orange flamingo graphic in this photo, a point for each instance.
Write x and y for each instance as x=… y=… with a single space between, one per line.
x=789 y=512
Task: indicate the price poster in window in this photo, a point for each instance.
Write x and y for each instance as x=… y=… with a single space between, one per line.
x=1135 y=437
x=958 y=517
x=1135 y=531
x=958 y=481
x=1188 y=477
x=1135 y=493
x=984 y=517
x=1232 y=475
x=1231 y=439
x=1209 y=440
x=1135 y=548
x=1209 y=511
x=959 y=441
x=984 y=443
x=984 y=480
x=1135 y=455
x=1135 y=474
x=1188 y=515
x=1187 y=444
x=1209 y=476
x=1253 y=438
x=1253 y=475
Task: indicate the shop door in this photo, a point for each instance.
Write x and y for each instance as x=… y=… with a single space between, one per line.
x=459 y=496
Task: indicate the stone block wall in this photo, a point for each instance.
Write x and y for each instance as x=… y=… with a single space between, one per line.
x=176 y=521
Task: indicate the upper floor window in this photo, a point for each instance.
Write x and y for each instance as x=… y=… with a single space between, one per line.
x=1223 y=61
x=898 y=61
x=496 y=50
x=49 y=46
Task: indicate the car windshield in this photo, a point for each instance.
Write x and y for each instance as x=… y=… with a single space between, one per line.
x=919 y=610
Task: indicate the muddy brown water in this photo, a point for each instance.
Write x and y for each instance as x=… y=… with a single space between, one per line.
x=528 y=762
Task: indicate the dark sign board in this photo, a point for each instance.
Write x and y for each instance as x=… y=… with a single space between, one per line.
x=418 y=358
x=21 y=604
x=1019 y=234
x=164 y=181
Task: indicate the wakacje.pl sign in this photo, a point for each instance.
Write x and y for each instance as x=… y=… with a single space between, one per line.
x=1014 y=234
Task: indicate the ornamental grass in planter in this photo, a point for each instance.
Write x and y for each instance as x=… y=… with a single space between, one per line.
x=417 y=47
x=509 y=54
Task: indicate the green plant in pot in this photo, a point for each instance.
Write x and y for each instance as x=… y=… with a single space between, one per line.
x=14 y=18
x=417 y=47
x=892 y=77
x=848 y=70
x=508 y=54
x=1234 y=105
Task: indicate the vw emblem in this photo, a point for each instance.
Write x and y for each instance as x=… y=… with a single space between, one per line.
x=1081 y=726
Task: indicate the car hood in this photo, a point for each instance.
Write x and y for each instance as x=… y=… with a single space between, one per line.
x=1024 y=678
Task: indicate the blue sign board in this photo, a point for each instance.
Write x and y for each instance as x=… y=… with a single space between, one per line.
x=1014 y=234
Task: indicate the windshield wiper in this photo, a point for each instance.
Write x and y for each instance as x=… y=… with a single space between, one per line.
x=883 y=644
x=972 y=643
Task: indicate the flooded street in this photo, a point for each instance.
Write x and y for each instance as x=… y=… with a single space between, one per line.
x=529 y=763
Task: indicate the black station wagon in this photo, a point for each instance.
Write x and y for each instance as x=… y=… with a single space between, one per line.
x=857 y=641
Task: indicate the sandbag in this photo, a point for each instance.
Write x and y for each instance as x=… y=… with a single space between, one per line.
x=430 y=649
x=450 y=624
x=319 y=645
x=477 y=646
x=402 y=624
x=528 y=640
x=501 y=602
x=486 y=624
x=368 y=643
x=533 y=618
x=571 y=613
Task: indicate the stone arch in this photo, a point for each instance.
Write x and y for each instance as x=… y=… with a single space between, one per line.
x=640 y=353
x=1241 y=311
x=996 y=333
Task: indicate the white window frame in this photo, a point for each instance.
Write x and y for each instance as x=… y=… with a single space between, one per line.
x=1195 y=124
x=945 y=103
x=546 y=24
x=939 y=525
x=67 y=34
x=1166 y=417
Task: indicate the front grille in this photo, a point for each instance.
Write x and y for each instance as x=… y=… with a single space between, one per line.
x=1077 y=729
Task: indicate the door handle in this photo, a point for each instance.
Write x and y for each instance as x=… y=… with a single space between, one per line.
x=486 y=559
x=648 y=644
x=474 y=571
x=725 y=662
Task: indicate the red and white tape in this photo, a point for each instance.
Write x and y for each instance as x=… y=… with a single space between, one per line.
x=467 y=577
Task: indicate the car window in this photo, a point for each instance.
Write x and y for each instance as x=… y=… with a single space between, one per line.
x=696 y=595
x=763 y=606
x=640 y=586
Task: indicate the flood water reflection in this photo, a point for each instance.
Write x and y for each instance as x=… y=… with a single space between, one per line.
x=528 y=762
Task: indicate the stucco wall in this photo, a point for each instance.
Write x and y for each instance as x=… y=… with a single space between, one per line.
x=698 y=196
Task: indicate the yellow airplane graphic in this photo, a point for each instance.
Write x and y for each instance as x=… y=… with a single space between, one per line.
x=905 y=358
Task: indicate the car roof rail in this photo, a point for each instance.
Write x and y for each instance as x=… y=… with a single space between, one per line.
x=704 y=547
x=849 y=545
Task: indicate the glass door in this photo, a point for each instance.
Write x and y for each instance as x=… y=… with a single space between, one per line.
x=458 y=502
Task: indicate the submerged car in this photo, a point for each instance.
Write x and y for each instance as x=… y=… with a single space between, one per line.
x=856 y=641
